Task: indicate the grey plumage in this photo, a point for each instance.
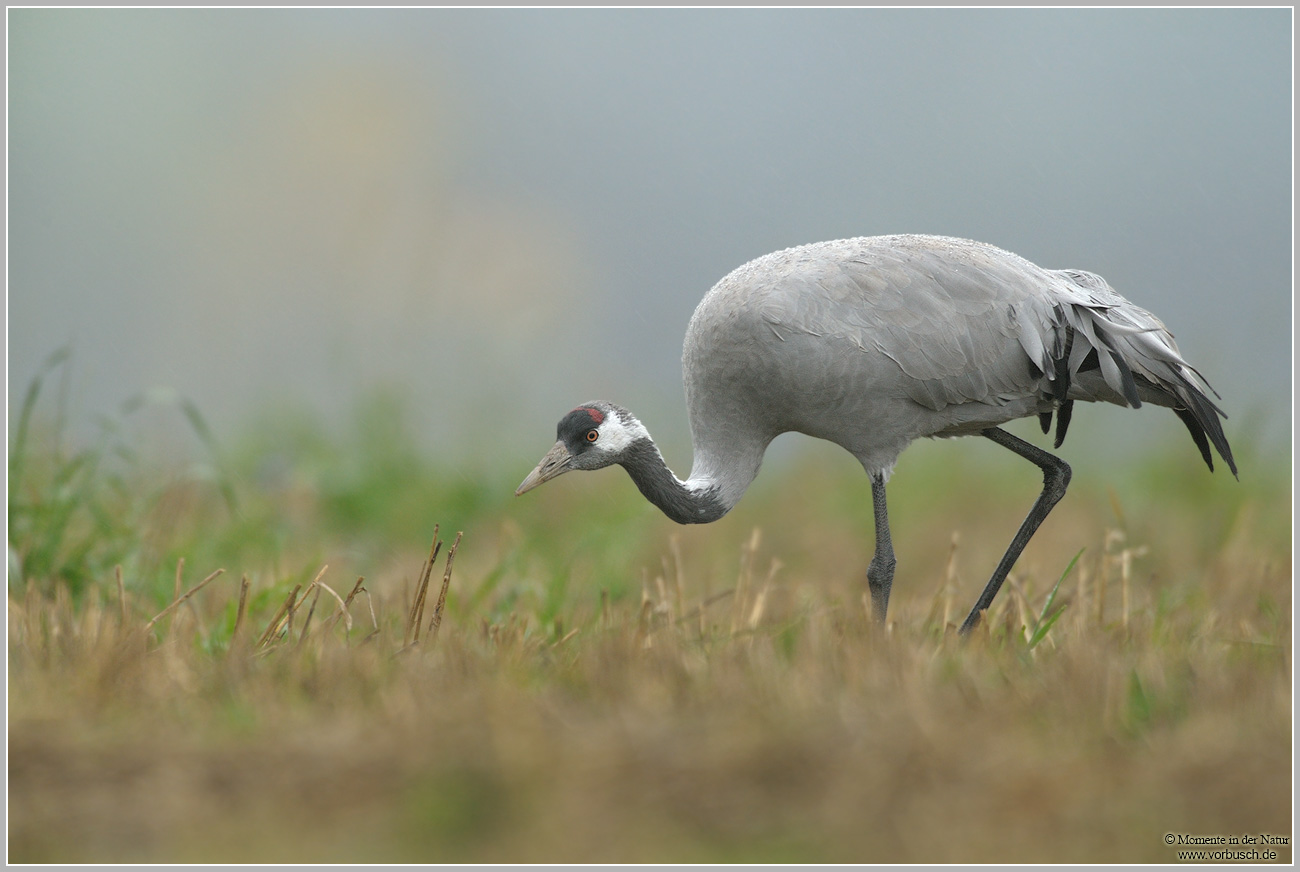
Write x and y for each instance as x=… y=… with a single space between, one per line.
x=874 y=342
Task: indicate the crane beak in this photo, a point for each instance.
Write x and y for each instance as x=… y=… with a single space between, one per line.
x=556 y=462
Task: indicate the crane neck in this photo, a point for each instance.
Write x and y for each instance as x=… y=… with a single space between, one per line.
x=696 y=501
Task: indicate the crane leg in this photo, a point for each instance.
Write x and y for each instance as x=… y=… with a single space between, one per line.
x=880 y=574
x=1056 y=477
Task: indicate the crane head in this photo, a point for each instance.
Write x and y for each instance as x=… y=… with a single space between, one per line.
x=592 y=436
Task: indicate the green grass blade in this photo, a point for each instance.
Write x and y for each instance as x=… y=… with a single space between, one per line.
x=1046 y=620
x=204 y=432
x=18 y=453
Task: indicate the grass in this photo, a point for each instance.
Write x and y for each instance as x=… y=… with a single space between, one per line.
x=586 y=682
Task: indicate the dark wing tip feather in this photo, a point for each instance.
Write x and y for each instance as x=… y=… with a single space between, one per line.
x=1063 y=415
x=1202 y=419
x=1126 y=379
x=1208 y=415
x=1198 y=435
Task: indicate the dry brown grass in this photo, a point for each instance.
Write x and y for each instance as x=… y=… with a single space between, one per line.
x=764 y=720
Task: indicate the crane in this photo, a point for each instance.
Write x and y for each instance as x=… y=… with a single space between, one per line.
x=874 y=342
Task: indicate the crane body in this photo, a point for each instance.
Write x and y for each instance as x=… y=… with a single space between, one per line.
x=874 y=342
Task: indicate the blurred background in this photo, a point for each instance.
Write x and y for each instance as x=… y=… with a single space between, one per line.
x=495 y=215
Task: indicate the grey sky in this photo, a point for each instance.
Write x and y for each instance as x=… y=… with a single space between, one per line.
x=522 y=207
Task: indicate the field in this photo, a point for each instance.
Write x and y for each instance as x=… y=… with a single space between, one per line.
x=604 y=686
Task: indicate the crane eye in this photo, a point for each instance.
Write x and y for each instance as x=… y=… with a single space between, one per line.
x=593 y=435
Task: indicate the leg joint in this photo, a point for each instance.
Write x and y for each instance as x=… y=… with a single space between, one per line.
x=881 y=569
x=1056 y=478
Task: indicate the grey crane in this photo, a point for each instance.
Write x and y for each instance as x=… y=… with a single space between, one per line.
x=873 y=342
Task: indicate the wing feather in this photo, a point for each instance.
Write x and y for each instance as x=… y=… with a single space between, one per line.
x=967 y=323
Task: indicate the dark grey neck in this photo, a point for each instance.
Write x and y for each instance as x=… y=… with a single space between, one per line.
x=656 y=481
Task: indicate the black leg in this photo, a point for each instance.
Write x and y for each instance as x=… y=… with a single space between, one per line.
x=1056 y=477
x=880 y=574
